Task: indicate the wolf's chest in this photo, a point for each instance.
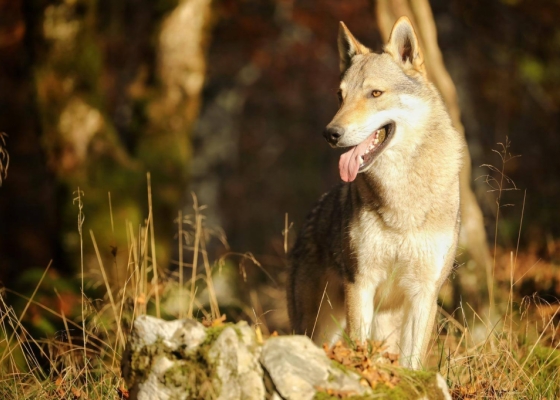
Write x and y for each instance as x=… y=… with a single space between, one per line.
x=381 y=253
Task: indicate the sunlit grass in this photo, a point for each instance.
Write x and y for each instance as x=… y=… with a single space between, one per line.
x=516 y=356
x=83 y=360
x=512 y=355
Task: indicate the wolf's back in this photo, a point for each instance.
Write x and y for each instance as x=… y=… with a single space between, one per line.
x=318 y=247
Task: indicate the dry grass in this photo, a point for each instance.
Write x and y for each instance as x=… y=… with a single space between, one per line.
x=517 y=359
x=83 y=360
x=514 y=356
x=511 y=353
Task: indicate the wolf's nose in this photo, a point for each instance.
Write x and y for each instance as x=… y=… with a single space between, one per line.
x=333 y=133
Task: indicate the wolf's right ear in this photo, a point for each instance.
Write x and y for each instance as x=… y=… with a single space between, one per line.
x=348 y=47
x=404 y=46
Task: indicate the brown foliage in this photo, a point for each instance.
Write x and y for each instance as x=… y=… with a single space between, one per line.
x=368 y=359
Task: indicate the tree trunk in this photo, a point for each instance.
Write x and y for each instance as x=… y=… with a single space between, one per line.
x=473 y=234
x=27 y=198
x=114 y=105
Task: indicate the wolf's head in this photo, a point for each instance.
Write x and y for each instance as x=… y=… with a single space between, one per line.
x=383 y=98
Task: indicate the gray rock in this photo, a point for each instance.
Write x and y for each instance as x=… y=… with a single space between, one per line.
x=151 y=352
x=238 y=372
x=181 y=333
x=183 y=360
x=179 y=360
x=152 y=388
x=298 y=368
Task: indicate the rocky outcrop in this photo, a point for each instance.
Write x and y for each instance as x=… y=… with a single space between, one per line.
x=298 y=369
x=182 y=359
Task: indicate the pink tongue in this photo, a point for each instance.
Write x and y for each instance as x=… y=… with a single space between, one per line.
x=349 y=162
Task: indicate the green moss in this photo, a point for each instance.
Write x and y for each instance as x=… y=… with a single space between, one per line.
x=212 y=333
x=416 y=384
x=140 y=361
x=413 y=384
x=550 y=357
x=194 y=375
x=323 y=396
x=340 y=367
x=543 y=369
x=192 y=372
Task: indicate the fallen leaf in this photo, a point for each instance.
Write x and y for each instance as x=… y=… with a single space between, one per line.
x=122 y=392
x=76 y=392
x=219 y=321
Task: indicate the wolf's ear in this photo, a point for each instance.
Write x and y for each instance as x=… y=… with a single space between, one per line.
x=348 y=47
x=404 y=46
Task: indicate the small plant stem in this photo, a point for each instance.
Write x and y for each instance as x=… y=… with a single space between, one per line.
x=109 y=291
x=144 y=273
x=214 y=307
x=181 y=278
x=81 y=219
x=114 y=245
x=153 y=243
x=197 y=233
x=285 y=233
x=319 y=310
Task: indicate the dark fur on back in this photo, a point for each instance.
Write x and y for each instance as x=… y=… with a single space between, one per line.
x=320 y=242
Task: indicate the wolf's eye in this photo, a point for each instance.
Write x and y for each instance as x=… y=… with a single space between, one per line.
x=339 y=94
x=376 y=93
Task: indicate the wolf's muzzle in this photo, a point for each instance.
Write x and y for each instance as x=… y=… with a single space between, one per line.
x=333 y=133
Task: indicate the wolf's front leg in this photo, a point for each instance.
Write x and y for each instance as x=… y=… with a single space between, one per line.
x=419 y=315
x=359 y=309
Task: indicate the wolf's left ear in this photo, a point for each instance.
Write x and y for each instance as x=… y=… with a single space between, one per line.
x=404 y=46
x=348 y=47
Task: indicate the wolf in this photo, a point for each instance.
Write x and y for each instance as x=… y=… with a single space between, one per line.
x=374 y=252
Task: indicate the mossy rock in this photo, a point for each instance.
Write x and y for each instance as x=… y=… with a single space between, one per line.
x=412 y=385
x=184 y=360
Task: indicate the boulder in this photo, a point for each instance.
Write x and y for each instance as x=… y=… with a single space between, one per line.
x=235 y=356
x=182 y=359
x=299 y=369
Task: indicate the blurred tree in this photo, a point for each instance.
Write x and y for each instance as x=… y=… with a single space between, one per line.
x=98 y=73
x=258 y=146
x=28 y=223
x=117 y=91
x=473 y=233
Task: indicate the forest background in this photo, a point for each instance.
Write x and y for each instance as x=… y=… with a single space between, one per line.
x=223 y=103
